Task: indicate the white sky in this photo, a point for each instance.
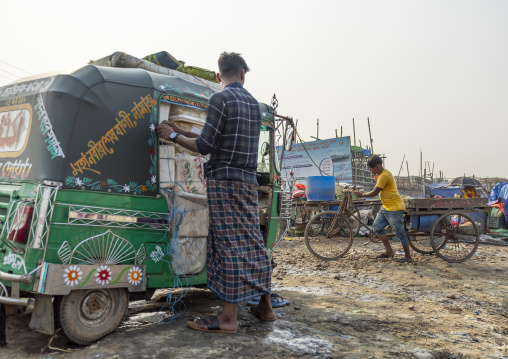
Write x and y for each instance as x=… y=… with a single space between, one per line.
x=432 y=75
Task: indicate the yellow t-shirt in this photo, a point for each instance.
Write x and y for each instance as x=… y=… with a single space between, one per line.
x=392 y=201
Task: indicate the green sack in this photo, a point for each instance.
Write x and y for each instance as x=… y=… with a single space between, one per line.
x=199 y=72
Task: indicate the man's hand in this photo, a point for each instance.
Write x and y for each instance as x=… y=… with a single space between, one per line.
x=172 y=125
x=164 y=130
x=359 y=194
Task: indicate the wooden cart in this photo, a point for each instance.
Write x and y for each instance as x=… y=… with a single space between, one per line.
x=449 y=227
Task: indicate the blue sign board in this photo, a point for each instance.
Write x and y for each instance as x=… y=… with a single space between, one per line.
x=324 y=157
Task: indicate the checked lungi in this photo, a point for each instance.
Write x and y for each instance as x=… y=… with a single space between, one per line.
x=238 y=263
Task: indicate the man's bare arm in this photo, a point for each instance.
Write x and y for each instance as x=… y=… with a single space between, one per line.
x=372 y=193
x=187 y=143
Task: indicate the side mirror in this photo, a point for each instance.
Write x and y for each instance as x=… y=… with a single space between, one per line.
x=288 y=138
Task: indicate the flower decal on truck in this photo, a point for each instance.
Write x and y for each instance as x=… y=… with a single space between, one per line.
x=72 y=275
x=134 y=275
x=103 y=275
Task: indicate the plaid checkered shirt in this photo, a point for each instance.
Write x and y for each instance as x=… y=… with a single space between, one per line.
x=231 y=135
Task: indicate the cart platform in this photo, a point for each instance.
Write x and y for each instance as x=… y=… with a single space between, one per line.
x=422 y=206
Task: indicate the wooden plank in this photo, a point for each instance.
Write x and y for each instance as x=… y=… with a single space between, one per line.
x=445 y=203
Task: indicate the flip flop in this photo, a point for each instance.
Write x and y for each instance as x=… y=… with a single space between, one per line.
x=212 y=326
x=384 y=255
x=277 y=301
x=254 y=310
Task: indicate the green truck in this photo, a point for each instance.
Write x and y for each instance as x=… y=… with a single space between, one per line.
x=95 y=209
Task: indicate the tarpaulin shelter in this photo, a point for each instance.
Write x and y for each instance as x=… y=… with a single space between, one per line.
x=441 y=189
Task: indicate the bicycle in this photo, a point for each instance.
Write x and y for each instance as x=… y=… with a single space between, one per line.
x=329 y=235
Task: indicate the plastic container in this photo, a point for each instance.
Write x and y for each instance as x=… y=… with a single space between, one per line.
x=320 y=188
x=332 y=208
x=414 y=222
x=494 y=222
x=426 y=223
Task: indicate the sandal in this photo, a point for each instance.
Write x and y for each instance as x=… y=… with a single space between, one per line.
x=254 y=310
x=384 y=255
x=212 y=326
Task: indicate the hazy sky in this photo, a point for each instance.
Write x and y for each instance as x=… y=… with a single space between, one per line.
x=431 y=75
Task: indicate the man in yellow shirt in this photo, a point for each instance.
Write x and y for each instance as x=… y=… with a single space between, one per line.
x=392 y=212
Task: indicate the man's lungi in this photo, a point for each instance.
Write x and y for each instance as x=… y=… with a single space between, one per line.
x=238 y=263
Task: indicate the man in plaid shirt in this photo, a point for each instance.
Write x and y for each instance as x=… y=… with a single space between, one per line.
x=238 y=264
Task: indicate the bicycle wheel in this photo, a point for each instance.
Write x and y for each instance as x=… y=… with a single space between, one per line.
x=328 y=236
x=455 y=237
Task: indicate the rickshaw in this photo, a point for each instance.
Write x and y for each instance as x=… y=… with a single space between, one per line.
x=93 y=213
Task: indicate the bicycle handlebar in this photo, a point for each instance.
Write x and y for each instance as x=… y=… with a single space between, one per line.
x=351 y=188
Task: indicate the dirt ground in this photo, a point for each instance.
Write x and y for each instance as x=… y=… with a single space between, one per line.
x=355 y=307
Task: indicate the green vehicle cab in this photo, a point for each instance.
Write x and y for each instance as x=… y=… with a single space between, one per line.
x=95 y=209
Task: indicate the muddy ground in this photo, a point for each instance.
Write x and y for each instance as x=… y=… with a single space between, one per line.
x=355 y=307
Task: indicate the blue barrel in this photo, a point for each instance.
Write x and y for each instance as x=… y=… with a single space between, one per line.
x=414 y=222
x=426 y=223
x=320 y=188
x=332 y=208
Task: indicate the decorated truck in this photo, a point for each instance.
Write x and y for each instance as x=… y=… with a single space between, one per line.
x=95 y=209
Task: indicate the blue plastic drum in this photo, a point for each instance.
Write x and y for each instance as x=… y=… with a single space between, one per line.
x=426 y=223
x=320 y=188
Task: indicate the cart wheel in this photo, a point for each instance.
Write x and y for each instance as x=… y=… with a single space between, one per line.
x=88 y=315
x=328 y=236
x=455 y=237
x=420 y=242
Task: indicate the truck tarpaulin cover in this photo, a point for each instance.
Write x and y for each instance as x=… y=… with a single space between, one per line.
x=93 y=128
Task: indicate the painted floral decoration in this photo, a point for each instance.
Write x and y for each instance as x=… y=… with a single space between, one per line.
x=72 y=275
x=135 y=274
x=103 y=275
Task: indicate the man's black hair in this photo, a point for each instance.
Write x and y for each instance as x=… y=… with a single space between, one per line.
x=374 y=160
x=232 y=64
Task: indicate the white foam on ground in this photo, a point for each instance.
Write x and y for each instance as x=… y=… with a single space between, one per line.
x=303 y=344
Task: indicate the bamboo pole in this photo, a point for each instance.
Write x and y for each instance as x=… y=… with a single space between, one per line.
x=317 y=132
x=421 y=157
x=354 y=154
x=423 y=186
x=402 y=164
x=371 y=146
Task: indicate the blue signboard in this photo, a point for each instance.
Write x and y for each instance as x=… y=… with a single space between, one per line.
x=320 y=158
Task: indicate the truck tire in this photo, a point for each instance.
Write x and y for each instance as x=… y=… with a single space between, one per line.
x=90 y=314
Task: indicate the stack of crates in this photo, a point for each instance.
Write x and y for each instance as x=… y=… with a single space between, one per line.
x=495 y=219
